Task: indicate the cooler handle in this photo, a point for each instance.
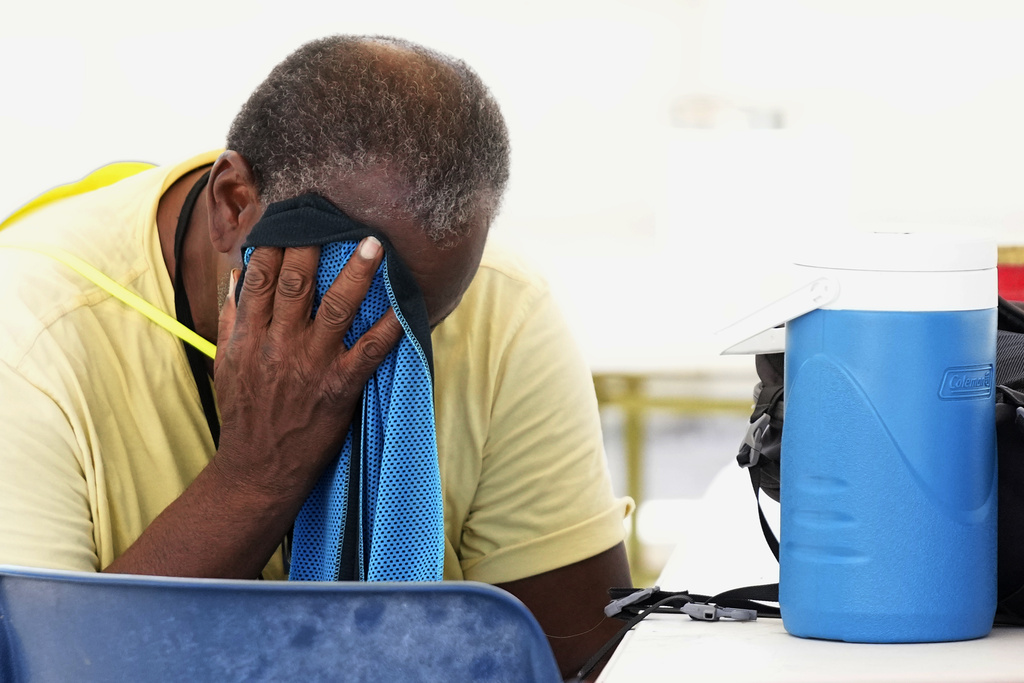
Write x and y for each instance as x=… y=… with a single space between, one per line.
x=759 y=332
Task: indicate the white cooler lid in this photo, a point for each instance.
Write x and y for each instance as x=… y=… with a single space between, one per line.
x=891 y=271
x=902 y=252
x=912 y=272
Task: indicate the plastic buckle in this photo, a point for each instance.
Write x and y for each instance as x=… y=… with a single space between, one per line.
x=616 y=606
x=701 y=611
x=754 y=438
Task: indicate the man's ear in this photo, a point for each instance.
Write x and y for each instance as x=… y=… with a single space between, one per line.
x=233 y=201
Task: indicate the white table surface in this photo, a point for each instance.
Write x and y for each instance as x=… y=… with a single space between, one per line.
x=676 y=648
x=720 y=548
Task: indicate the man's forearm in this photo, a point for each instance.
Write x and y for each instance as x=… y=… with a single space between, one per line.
x=215 y=529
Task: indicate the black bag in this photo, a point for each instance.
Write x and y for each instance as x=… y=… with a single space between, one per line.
x=761 y=453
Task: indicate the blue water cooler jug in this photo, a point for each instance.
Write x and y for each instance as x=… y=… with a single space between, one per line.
x=888 y=484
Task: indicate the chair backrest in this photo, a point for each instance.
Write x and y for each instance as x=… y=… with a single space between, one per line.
x=63 y=626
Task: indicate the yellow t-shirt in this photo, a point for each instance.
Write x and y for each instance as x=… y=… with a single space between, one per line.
x=101 y=425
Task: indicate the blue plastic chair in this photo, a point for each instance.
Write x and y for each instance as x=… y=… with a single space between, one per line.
x=79 y=626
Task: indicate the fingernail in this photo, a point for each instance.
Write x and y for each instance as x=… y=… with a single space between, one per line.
x=235 y=272
x=369 y=248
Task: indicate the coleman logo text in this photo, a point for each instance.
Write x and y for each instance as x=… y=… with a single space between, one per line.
x=971 y=381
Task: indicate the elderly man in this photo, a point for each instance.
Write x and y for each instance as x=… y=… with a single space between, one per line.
x=116 y=454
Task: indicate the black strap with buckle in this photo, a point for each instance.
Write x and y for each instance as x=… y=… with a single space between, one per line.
x=635 y=604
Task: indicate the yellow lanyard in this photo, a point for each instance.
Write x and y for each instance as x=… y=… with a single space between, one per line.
x=101 y=177
x=120 y=292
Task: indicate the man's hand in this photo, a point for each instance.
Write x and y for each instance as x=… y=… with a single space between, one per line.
x=287 y=389
x=286 y=385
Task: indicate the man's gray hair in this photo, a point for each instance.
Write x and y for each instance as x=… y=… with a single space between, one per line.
x=344 y=104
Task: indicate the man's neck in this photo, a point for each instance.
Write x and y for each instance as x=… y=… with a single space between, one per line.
x=198 y=269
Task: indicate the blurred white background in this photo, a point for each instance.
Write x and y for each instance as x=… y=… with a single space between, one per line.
x=662 y=149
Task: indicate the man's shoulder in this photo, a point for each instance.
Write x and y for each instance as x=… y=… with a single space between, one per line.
x=505 y=273
x=110 y=227
x=100 y=222
x=505 y=291
x=100 y=191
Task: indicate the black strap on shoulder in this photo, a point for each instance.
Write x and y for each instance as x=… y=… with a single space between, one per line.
x=183 y=312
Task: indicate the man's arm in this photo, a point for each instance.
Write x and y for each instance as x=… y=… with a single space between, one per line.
x=287 y=388
x=569 y=604
x=543 y=521
x=45 y=515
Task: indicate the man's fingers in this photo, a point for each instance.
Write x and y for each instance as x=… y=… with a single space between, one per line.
x=296 y=284
x=256 y=305
x=378 y=341
x=339 y=305
x=228 y=313
x=371 y=349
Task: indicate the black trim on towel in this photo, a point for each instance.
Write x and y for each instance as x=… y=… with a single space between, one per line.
x=311 y=220
x=348 y=562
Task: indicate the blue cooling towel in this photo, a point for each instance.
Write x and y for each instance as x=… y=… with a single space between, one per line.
x=376 y=513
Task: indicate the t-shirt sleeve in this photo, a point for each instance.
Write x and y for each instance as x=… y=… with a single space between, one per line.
x=45 y=518
x=544 y=498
